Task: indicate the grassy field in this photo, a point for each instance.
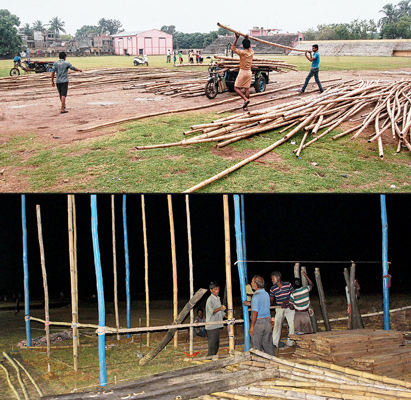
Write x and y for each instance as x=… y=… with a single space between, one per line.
x=327 y=63
x=112 y=164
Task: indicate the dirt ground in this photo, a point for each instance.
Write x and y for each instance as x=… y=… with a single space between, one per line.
x=24 y=111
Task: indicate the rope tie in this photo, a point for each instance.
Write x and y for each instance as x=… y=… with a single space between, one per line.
x=74 y=325
x=102 y=330
x=27 y=317
x=231 y=321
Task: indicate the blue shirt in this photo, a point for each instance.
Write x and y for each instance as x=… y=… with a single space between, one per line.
x=316 y=62
x=260 y=302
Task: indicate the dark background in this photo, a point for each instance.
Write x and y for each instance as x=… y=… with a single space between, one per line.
x=291 y=227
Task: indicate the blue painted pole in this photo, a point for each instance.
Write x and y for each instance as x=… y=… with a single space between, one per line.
x=239 y=244
x=26 y=271
x=100 y=295
x=386 y=277
x=127 y=264
x=243 y=238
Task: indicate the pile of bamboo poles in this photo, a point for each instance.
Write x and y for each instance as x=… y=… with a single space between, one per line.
x=385 y=108
x=262 y=64
x=178 y=87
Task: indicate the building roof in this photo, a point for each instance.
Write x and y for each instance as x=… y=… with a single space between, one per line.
x=131 y=33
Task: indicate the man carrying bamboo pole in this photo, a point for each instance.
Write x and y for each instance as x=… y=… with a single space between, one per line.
x=260 y=327
x=314 y=58
x=281 y=292
x=243 y=80
x=300 y=302
x=214 y=312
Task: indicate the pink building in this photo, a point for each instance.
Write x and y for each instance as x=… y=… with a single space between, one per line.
x=152 y=42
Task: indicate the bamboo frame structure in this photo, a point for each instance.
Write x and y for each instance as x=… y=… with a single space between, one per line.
x=174 y=263
x=44 y=274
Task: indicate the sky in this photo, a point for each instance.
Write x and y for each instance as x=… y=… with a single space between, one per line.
x=282 y=227
x=193 y=16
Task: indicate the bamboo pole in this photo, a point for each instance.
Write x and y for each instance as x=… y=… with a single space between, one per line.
x=354 y=303
x=230 y=310
x=72 y=282
x=174 y=262
x=322 y=299
x=115 y=284
x=30 y=377
x=15 y=366
x=260 y=40
x=190 y=265
x=13 y=388
x=311 y=313
x=44 y=274
x=143 y=211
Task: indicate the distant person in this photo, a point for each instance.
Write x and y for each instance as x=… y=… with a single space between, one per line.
x=281 y=291
x=314 y=58
x=243 y=80
x=168 y=56
x=17 y=59
x=260 y=326
x=175 y=57
x=180 y=57
x=300 y=302
x=214 y=313
x=200 y=330
x=197 y=56
x=191 y=56
x=200 y=57
x=61 y=68
x=145 y=59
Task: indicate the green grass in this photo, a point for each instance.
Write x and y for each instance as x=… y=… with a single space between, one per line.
x=327 y=63
x=112 y=164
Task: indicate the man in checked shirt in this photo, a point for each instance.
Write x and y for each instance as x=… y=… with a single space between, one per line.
x=281 y=291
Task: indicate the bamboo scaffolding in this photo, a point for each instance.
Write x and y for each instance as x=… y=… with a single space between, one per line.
x=44 y=274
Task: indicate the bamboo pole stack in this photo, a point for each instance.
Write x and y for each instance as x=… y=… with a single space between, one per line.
x=386 y=108
x=264 y=64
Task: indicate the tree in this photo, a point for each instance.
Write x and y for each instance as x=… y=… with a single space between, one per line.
x=66 y=38
x=390 y=15
x=28 y=31
x=10 y=41
x=57 y=25
x=404 y=8
x=170 y=29
x=87 y=30
x=38 y=26
x=112 y=26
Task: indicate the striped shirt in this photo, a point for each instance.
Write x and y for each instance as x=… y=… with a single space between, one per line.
x=281 y=294
x=301 y=297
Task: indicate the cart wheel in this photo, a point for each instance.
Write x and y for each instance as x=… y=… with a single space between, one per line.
x=135 y=63
x=211 y=89
x=260 y=84
x=14 y=72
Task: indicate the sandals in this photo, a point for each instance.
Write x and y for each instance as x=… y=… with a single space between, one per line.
x=246 y=103
x=63 y=111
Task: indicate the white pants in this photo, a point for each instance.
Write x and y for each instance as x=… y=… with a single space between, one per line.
x=280 y=314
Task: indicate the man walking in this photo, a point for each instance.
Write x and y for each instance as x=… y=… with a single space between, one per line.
x=243 y=80
x=300 y=301
x=61 y=68
x=314 y=58
x=260 y=327
x=214 y=313
x=281 y=292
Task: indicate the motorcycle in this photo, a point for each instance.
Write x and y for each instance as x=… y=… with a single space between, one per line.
x=140 y=61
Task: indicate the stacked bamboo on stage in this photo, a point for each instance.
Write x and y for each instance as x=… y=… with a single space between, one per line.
x=341 y=347
x=263 y=64
x=244 y=376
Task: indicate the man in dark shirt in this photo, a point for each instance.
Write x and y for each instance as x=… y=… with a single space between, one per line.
x=61 y=68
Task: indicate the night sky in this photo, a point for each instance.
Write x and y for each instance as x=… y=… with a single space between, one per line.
x=290 y=227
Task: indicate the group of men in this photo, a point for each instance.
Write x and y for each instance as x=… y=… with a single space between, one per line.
x=292 y=303
x=243 y=80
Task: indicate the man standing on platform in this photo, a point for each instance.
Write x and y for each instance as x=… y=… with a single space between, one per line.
x=214 y=313
x=300 y=302
x=260 y=327
x=281 y=292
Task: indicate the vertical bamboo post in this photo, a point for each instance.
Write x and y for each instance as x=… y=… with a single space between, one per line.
x=26 y=271
x=354 y=303
x=239 y=246
x=230 y=311
x=243 y=238
x=143 y=210
x=352 y=323
x=304 y=282
x=75 y=260
x=190 y=265
x=113 y=233
x=385 y=279
x=297 y=274
x=322 y=299
x=127 y=262
x=74 y=320
x=174 y=261
x=44 y=273
x=100 y=294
